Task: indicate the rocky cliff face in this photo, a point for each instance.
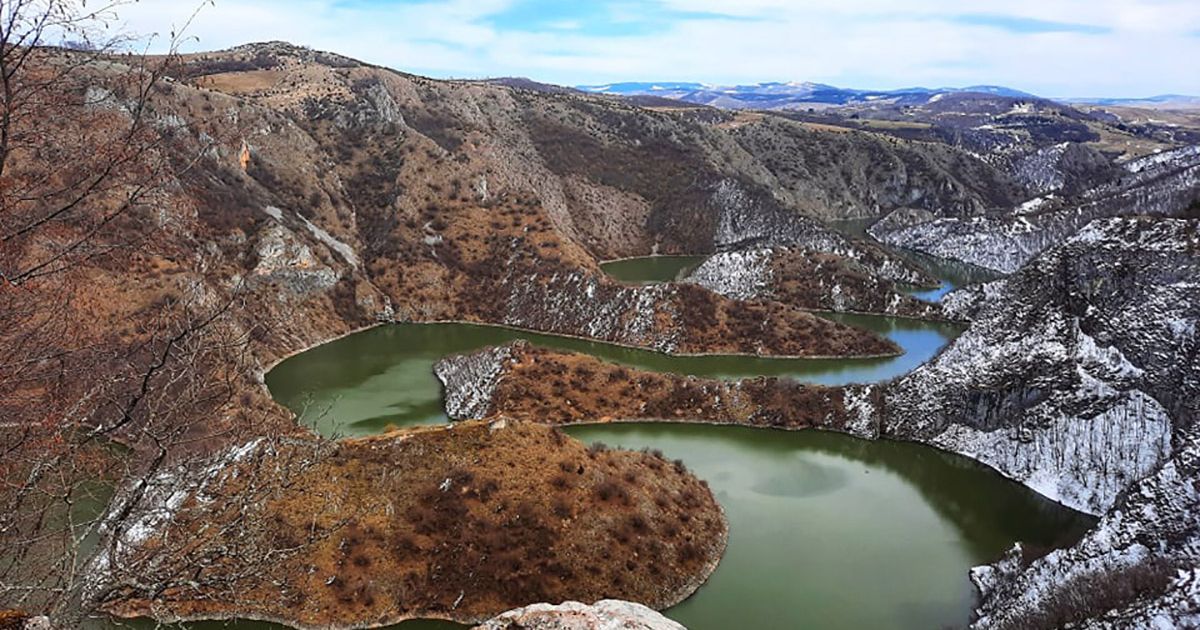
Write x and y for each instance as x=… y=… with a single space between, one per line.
x=1165 y=184
x=1076 y=371
x=1137 y=569
x=1110 y=427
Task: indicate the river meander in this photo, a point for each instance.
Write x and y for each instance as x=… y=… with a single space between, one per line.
x=383 y=377
x=826 y=531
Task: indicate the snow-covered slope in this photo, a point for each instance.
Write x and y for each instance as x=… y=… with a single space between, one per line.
x=1077 y=371
x=1080 y=377
x=1139 y=568
x=1164 y=184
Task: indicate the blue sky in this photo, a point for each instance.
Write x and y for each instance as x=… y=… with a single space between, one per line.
x=596 y=18
x=1052 y=47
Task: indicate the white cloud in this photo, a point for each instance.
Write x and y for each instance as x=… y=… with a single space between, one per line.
x=1145 y=47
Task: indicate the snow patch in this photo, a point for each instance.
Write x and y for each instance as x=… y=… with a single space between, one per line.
x=469 y=380
x=739 y=275
x=1081 y=462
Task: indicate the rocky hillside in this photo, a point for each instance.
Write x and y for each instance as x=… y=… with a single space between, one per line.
x=988 y=176
x=1077 y=371
x=562 y=388
x=1166 y=184
x=297 y=196
x=422 y=200
x=846 y=174
x=1079 y=377
x=1074 y=379
x=811 y=280
x=1136 y=569
x=301 y=195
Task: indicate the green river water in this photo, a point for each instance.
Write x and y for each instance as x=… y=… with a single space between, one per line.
x=651 y=269
x=826 y=531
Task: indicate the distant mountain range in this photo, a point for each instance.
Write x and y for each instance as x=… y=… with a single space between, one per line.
x=777 y=95
x=1163 y=101
x=791 y=95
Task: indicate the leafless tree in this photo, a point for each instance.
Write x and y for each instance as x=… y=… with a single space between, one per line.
x=88 y=405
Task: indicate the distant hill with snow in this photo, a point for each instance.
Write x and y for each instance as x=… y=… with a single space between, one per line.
x=1162 y=101
x=778 y=95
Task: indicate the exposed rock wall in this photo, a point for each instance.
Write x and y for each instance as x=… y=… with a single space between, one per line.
x=1138 y=568
x=1135 y=284
x=1164 y=185
x=1074 y=373
x=470 y=385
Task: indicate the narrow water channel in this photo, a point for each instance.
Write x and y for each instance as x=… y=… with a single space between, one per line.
x=826 y=531
x=383 y=377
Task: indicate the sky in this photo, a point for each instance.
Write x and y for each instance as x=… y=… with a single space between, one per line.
x=1059 y=48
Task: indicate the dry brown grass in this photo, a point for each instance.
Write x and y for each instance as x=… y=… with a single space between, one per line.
x=12 y=619
x=459 y=523
x=237 y=83
x=555 y=387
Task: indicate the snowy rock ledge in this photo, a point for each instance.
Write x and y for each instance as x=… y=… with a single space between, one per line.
x=608 y=614
x=740 y=275
x=470 y=379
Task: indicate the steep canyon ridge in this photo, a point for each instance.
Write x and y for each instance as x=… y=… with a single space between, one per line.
x=173 y=228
